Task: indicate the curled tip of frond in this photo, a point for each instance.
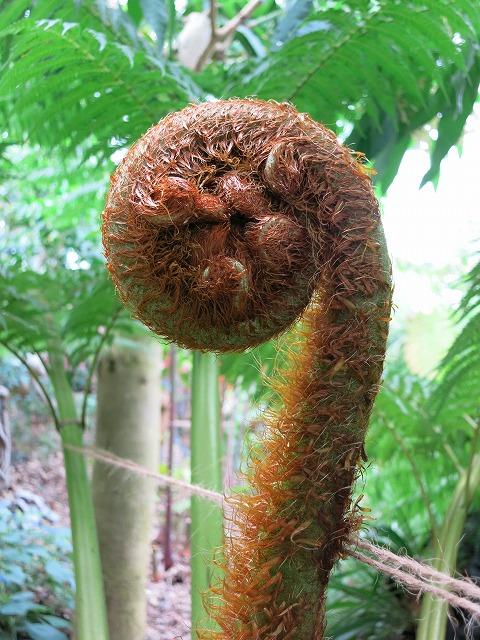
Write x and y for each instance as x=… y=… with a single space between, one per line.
x=213 y=224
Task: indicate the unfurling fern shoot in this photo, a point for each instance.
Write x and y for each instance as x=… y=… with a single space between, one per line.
x=227 y=222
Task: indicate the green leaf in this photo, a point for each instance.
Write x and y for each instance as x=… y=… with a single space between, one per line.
x=254 y=367
x=20 y=604
x=117 y=92
x=156 y=14
x=73 y=306
x=387 y=162
x=12 y=11
x=452 y=122
x=57 y=622
x=12 y=575
x=250 y=41
x=134 y=11
x=59 y=572
x=43 y=631
x=296 y=12
x=363 y=65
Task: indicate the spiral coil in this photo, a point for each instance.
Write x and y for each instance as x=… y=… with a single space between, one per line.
x=225 y=223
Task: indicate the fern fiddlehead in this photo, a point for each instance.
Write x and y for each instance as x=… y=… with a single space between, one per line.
x=225 y=223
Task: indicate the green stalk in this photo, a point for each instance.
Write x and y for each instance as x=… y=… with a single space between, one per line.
x=90 y=610
x=170 y=27
x=434 y=612
x=206 y=519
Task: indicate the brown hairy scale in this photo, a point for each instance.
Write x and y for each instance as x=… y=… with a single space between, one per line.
x=225 y=223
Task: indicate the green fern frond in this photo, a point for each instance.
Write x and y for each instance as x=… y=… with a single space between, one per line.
x=93 y=14
x=37 y=308
x=68 y=84
x=471 y=300
x=387 y=57
x=460 y=369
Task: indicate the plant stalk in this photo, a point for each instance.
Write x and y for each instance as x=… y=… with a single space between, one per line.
x=206 y=455
x=167 y=549
x=90 y=610
x=434 y=612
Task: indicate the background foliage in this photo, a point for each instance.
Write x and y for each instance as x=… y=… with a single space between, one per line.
x=35 y=557
x=81 y=81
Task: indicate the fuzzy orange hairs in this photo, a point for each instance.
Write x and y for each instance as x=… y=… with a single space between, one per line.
x=227 y=222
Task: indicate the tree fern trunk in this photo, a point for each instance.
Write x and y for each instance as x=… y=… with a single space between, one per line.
x=128 y=426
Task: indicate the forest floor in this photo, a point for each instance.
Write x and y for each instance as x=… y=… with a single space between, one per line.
x=168 y=592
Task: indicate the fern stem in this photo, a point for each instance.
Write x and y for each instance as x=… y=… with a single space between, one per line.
x=171 y=27
x=90 y=610
x=434 y=612
x=206 y=519
x=35 y=377
x=93 y=365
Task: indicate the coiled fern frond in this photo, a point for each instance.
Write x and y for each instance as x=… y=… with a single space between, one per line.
x=225 y=223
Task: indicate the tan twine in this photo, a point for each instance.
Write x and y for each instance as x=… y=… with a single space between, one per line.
x=414 y=575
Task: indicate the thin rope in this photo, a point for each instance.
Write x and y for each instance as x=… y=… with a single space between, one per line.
x=418 y=585
x=415 y=575
x=129 y=465
x=414 y=567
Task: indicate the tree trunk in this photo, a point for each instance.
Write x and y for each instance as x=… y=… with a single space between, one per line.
x=128 y=413
x=5 y=439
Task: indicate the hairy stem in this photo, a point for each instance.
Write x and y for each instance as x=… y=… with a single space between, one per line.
x=225 y=224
